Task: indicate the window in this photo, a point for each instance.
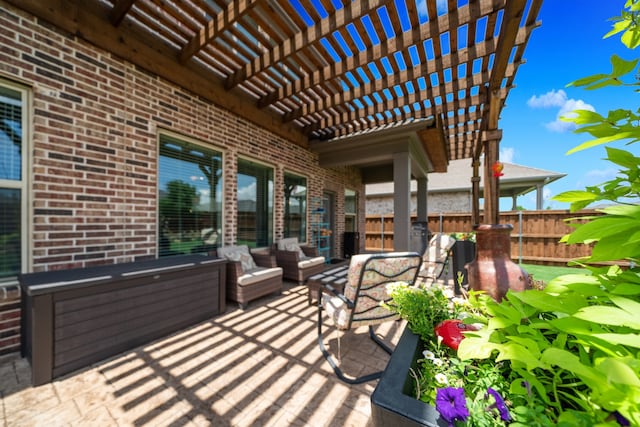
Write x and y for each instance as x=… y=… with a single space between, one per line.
x=295 y=206
x=189 y=197
x=255 y=204
x=13 y=185
x=350 y=210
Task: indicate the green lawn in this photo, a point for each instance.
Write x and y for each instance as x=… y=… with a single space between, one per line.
x=547 y=272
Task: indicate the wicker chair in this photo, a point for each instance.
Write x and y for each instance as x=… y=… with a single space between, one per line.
x=298 y=262
x=360 y=303
x=435 y=258
x=250 y=275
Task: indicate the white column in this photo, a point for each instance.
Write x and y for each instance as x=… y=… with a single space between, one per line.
x=539 y=196
x=401 y=201
x=422 y=200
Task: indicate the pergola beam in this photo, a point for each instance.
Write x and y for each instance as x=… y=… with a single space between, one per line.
x=120 y=10
x=235 y=10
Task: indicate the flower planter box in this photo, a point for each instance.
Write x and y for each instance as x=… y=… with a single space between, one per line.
x=392 y=402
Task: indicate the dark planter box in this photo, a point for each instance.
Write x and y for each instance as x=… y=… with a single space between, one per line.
x=463 y=252
x=392 y=402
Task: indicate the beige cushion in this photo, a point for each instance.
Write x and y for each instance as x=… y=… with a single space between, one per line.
x=238 y=253
x=258 y=275
x=368 y=310
x=436 y=254
x=310 y=262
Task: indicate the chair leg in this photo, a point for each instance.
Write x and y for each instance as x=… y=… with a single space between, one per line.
x=378 y=341
x=332 y=363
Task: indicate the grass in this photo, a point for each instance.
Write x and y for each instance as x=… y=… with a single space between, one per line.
x=548 y=272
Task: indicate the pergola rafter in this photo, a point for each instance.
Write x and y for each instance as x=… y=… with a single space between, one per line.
x=311 y=71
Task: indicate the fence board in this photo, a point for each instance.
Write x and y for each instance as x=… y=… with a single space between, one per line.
x=535 y=238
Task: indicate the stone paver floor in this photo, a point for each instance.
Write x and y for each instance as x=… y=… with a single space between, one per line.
x=258 y=367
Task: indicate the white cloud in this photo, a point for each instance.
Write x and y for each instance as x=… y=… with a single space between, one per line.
x=566 y=106
x=549 y=99
x=441 y=8
x=248 y=192
x=507 y=154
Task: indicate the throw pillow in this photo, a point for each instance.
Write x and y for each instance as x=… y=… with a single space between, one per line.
x=294 y=247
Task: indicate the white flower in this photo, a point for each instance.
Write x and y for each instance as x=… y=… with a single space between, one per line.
x=436 y=361
x=460 y=301
x=394 y=286
x=428 y=355
x=442 y=379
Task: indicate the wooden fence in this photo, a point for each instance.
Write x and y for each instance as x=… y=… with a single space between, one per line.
x=535 y=238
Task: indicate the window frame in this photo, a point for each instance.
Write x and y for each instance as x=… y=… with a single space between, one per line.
x=354 y=214
x=186 y=140
x=305 y=217
x=26 y=223
x=270 y=235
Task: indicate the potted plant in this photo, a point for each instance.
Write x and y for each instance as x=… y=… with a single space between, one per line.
x=566 y=354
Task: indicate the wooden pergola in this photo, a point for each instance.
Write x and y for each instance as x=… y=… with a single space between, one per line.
x=320 y=70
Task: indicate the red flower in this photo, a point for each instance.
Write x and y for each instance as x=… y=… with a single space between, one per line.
x=451 y=332
x=497 y=169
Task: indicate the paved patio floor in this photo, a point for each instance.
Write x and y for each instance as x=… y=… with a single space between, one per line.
x=258 y=367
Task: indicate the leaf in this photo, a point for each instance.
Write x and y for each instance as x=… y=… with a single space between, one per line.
x=631 y=211
x=626 y=289
x=550 y=303
x=626 y=304
x=599 y=141
x=609 y=316
x=571 y=363
x=622 y=158
x=605 y=226
x=621 y=66
x=518 y=353
x=630 y=340
x=575 y=196
x=475 y=348
x=619 y=372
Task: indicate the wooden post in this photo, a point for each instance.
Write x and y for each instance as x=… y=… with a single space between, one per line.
x=475 y=193
x=491 y=145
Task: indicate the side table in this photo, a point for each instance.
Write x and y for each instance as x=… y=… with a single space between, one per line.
x=336 y=275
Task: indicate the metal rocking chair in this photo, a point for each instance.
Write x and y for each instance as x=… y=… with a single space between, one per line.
x=360 y=303
x=435 y=258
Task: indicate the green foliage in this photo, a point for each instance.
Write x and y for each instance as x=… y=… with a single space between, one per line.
x=575 y=343
x=573 y=346
x=422 y=308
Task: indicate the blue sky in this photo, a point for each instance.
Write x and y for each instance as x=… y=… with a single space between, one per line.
x=568 y=45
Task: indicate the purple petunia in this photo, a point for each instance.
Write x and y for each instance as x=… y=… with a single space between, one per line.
x=500 y=405
x=621 y=419
x=451 y=404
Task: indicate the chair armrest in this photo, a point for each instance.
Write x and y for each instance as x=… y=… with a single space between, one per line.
x=264 y=259
x=310 y=251
x=234 y=271
x=330 y=289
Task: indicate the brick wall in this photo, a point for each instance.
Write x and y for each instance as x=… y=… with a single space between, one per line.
x=95 y=123
x=9 y=319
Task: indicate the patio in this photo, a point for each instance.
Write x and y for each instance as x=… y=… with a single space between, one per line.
x=261 y=367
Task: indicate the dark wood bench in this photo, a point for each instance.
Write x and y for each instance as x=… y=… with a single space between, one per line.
x=73 y=318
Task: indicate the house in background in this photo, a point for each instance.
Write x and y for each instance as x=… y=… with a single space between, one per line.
x=451 y=191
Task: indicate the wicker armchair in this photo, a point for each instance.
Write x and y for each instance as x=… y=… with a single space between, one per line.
x=250 y=275
x=298 y=262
